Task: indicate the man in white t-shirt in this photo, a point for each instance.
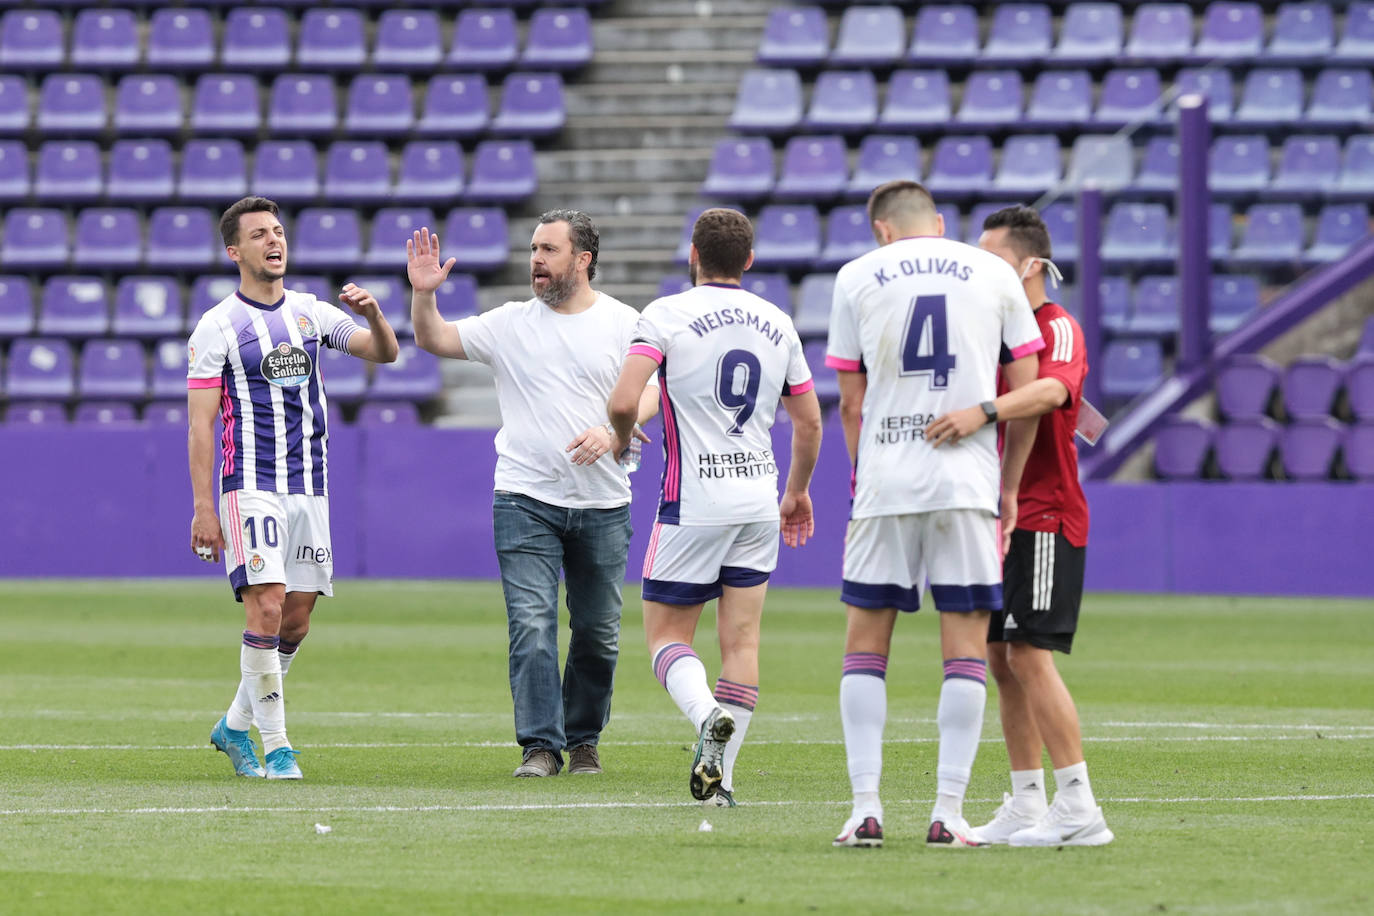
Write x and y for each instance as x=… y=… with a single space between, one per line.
x=918 y=327
x=562 y=499
x=725 y=359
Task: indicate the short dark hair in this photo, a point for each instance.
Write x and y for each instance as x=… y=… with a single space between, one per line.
x=723 y=239
x=899 y=199
x=1026 y=231
x=581 y=230
x=229 y=222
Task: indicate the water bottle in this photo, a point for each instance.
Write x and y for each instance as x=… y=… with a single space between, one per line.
x=629 y=459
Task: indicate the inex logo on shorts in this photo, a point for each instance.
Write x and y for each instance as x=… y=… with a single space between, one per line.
x=287 y=366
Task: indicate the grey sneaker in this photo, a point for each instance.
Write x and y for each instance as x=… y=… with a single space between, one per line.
x=538 y=762
x=584 y=760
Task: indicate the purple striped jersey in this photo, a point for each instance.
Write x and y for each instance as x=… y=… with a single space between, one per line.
x=265 y=361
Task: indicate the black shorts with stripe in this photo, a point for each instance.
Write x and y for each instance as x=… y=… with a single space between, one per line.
x=1041 y=590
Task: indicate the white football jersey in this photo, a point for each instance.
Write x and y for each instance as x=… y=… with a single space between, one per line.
x=927 y=319
x=725 y=357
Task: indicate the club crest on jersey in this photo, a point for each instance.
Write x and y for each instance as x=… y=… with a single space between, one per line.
x=306 y=325
x=257 y=564
x=287 y=366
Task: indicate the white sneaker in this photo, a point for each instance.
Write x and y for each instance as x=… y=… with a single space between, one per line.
x=864 y=832
x=1008 y=820
x=1062 y=826
x=952 y=833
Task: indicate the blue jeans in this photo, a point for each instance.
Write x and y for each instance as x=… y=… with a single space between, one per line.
x=533 y=541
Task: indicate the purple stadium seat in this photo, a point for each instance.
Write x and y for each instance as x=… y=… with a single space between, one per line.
x=847 y=235
x=14 y=104
x=357 y=172
x=843 y=100
x=1357 y=37
x=1234 y=299
x=1357 y=451
x=916 y=98
x=147 y=306
x=768 y=101
x=773 y=287
x=68 y=170
x=991 y=98
x=1128 y=97
x=1309 y=166
x=1030 y=164
x=787 y=237
x=286 y=171
x=16 y=307
x=1341 y=97
x=1239 y=165
x=104 y=413
x=35 y=412
x=108 y=238
x=454 y=106
x=140 y=170
x=812 y=314
x=1303 y=32
x=1310 y=386
x=327 y=237
x=813 y=168
x=531 y=106
x=181 y=38
x=1272 y=96
x=168 y=376
x=1106 y=162
x=388 y=413
x=316 y=285
x=884 y=157
x=113 y=369
x=1137 y=234
x=226 y=103
x=1181 y=448
x=207 y=291
x=431 y=171
x=380 y=105
x=1245 y=448
x=1273 y=236
x=1115 y=296
x=1090 y=33
x=302 y=104
x=1061 y=220
x=670 y=285
x=558 y=39
x=414 y=376
x=34 y=238
x=1215 y=84
x=1060 y=98
x=182 y=237
x=331 y=39
x=1338 y=227
x=1359 y=387
x=953 y=220
x=869 y=36
x=795 y=37
x=1357 y=167
x=477 y=237
x=256 y=38
x=960 y=166
x=944 y=34
x=15 y=184
x=1154 y=307
x=1131 y=367
x=165 y=413
x=484 y=39
x=31 y=40
x=408 y=39
x=1021 y=33
x=827 y=381
x=1158 y=167
x=1308 y=448
x=503 y=172
x=212 y=171
x=1246 y=387
x=392 y=227
x=104 y=39
x=741 y=168
x=1160 y=32
x=40 y=367
x=1230 y=31
x=345 y=376
x=1220 y=231
x=457 y=296
x=148 y=104
x=71 y=103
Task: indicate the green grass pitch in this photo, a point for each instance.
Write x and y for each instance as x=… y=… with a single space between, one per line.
x=1230 y=743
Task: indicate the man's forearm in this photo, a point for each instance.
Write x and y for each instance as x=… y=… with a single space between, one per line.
x=1016 y=448
x=1034 y=400
x=200 y=448
x=425 y=319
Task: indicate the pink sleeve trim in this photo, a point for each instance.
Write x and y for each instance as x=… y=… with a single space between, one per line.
x=645 y=350
x=845 y=365
x=801 y=388
x=1027 y=349
x=202 y=383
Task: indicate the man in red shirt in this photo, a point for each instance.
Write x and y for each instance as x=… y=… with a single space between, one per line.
x=1045 y=540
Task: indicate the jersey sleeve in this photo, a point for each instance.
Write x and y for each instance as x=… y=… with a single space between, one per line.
x=206 y=355
x=799 y=380
x=336 y=326
x=650 y=337
x=479 y=334
x=1020 y=331
x=1065 y=357
x=843 y=349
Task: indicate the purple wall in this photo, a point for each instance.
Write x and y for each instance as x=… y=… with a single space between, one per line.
x=416 y=502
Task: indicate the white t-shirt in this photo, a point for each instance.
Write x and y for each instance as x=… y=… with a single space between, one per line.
x=928 y=320
x=554 y=375
x=725 y=357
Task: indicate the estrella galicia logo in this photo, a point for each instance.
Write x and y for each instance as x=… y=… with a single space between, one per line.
x=287 y=366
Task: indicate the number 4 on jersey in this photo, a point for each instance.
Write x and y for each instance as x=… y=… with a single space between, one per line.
x=925 y=347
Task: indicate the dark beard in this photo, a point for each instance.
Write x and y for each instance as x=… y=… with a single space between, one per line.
x=558 y=290
x=692 y=272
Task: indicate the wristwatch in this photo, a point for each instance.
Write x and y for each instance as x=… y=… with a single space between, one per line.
x=990 y=409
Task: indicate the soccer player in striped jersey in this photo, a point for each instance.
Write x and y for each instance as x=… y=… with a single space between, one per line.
x=254 y=362
x=1043 y=569
x=917 y=327
x=724 y=359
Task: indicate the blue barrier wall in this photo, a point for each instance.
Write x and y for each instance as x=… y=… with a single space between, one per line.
x=416 y=502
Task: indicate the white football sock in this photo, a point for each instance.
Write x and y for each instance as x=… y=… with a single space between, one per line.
x=727 y=765
x=262 y=674
x=863 y=712
x=684 y=677
x=240 y=714
x=1071 y=784
x=960 y=719
x=1028 y=790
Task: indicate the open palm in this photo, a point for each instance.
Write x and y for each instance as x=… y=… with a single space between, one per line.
x=423 y=266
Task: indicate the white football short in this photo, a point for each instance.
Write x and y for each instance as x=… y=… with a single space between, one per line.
x=277 y=537
x=887 y=559
x=689 y=564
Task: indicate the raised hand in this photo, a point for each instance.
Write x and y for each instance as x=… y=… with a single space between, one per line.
x=423 y=266
x=359 y=300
